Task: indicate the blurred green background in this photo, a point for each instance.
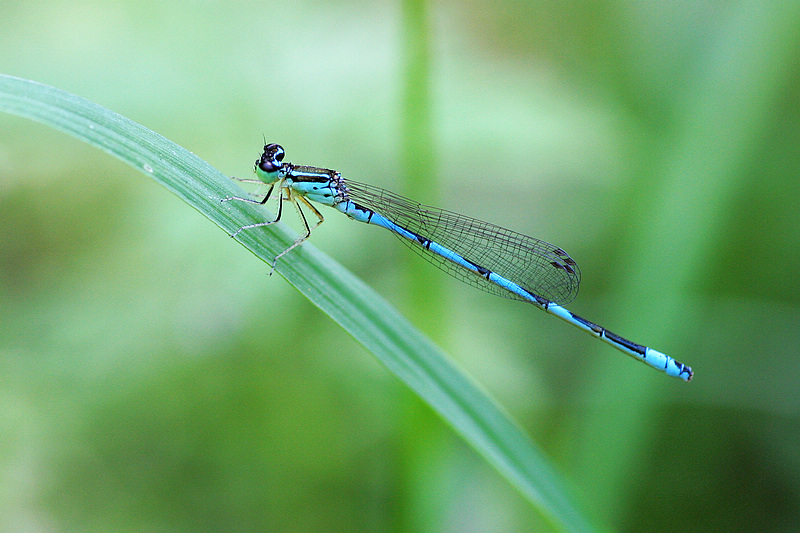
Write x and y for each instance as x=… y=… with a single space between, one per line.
x=153 y=377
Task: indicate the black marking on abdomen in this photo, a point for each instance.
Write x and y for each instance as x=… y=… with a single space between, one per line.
x=632 y=346
x=482 y=271
x=610 y=335
x=363 y=210
x=423 y=241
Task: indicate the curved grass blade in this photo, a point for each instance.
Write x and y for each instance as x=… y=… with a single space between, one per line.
x=357 y=308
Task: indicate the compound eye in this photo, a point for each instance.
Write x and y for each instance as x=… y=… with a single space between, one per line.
x=271 y=158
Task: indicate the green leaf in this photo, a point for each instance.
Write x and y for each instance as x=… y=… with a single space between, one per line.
x=357 y=308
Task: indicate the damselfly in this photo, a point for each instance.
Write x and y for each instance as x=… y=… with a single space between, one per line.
x=491 y=258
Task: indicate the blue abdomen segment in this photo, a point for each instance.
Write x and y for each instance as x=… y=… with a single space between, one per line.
x=366 y=215
x=644 y=354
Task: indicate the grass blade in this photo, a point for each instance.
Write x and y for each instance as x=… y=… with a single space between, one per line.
x=356 y=307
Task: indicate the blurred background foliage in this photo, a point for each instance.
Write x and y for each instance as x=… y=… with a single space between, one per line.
x=154 y=378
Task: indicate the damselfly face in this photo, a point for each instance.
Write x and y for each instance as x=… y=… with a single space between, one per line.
x=270 y=163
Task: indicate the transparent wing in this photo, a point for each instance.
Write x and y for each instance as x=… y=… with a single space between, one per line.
x=537 y=266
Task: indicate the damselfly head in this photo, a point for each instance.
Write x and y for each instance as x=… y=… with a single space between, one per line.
x=270 y=160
